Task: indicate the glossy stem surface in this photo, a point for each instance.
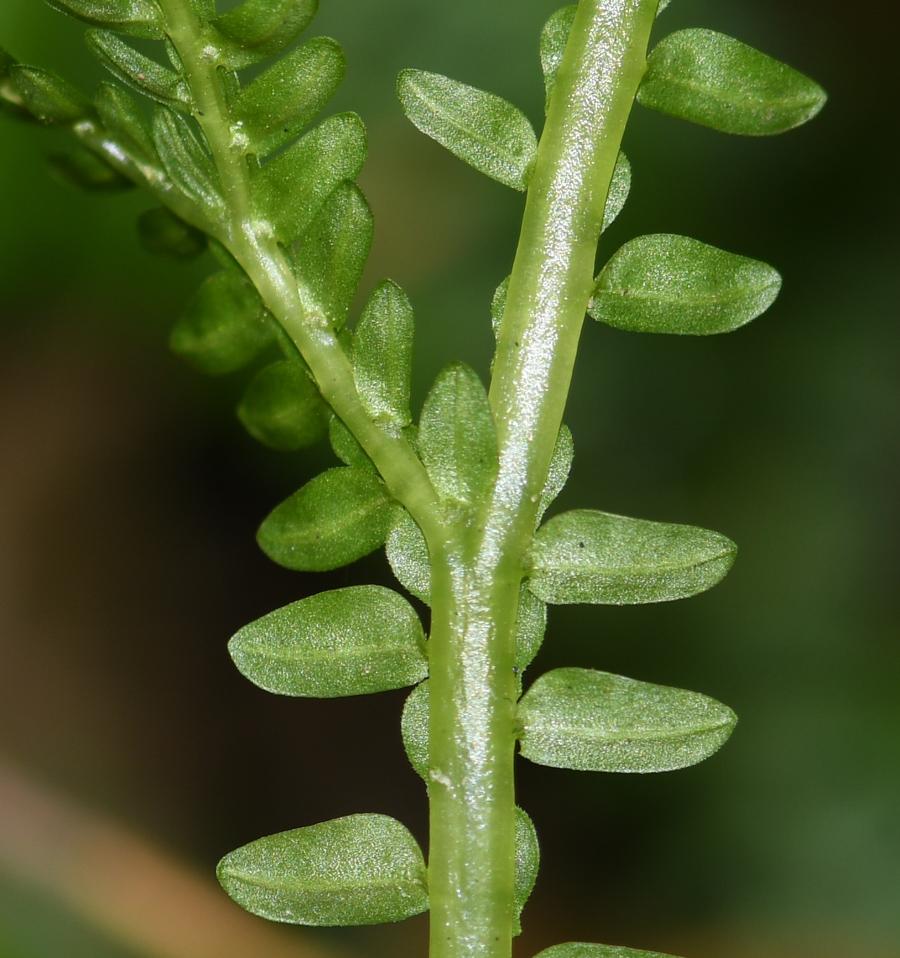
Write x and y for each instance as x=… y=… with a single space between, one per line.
x=475 y=584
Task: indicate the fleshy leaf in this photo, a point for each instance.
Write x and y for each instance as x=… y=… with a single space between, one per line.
x=673 y=284
x=594 y=721
x=457 y=441
x=530 y=627
x=407 y=553
x=528 y=860
x=414 y=728
x=165 y=234
x=482 y=129
x=283 y=408
x=382 y=354
x=140 y=18
x=714 y=80
x=188 y=163
x=344 y=642
x=11 y=105
x=87 y=171
x=358 y=870
x=619 y=188
x=138 y=71
x=290 y=189
x=579 y=949
x=337 y=518
x=595 y=557
x=125 y=121
x=257 y=29
x=334 y=250
x=224 y=326
x=346 y=446
x=554 y=37
x=273 y=109
x=558 y=473
x=47 y=97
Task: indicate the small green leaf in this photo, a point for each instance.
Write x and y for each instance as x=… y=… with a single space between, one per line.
x=407 y=553
x=554 y=37
x=290 y=189
x=337 y=518
x=125 y=122
x=595 y=557
x=224 y=326
x=528 y=860
x=673 y=284
x=11 y=103
x=578 y=949
x=138 y=71
x=619 y=188
x=283 y=408
x=594 y=721
x=558 y=473
x=531 y=625
x=346 y=446
x=257 y=29
x=482 y=129
x=498 y=305
x=47 y=97
x=457 y=441
x=358 y=870
x=345 y=642
x=334 y=250
x=140 y=18
x=273 y=109
x=719 y=82
x=382 y=355
x=87 y=171
x=188 y=163
x=163 y=233
x=662 y=6
x=414 y=728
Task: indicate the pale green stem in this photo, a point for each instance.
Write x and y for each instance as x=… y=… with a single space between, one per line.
x=475 y=589
x=256 y=249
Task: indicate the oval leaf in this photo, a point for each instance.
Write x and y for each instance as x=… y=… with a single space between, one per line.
x=673 y=284
x=382 y=354
x=554 y=37
x=138 y=71
x=619 y=188
x=345 y=642
x=457 y=441
x=719 y=82
x=125 y=121
x=346 y=446
x=414 y=728
x=595 y=557
x=273 y=109
x=87 y=171
x=187 y=161
x=283 y=408
x=256 y=29
x=224 y=326
x=482 y=129
x=594 y=721
x=334 y=250
x=47 y=97
x=531 y=624
x=289 y=190
x=358 y=870
x=407 y=553
x=337 y=518
x=579 y=949
x=558 y=473
x=528 y=860
x=140 y=18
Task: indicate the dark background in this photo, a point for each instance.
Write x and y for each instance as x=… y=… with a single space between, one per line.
x=130 y=497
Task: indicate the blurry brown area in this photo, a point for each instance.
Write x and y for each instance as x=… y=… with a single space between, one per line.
x=129 y=499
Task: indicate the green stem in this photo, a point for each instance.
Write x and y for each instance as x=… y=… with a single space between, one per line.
x=290 y=302
x=475 y=587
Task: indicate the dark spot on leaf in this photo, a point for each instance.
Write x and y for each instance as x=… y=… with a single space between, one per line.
x=580 y=545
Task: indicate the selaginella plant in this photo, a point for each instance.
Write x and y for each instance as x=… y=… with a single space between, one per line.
x=456 y=499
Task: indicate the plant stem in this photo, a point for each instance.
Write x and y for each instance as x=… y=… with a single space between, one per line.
x=293 y=305
x=475 y=586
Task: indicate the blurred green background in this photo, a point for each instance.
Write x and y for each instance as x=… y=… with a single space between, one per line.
x=130 y=497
